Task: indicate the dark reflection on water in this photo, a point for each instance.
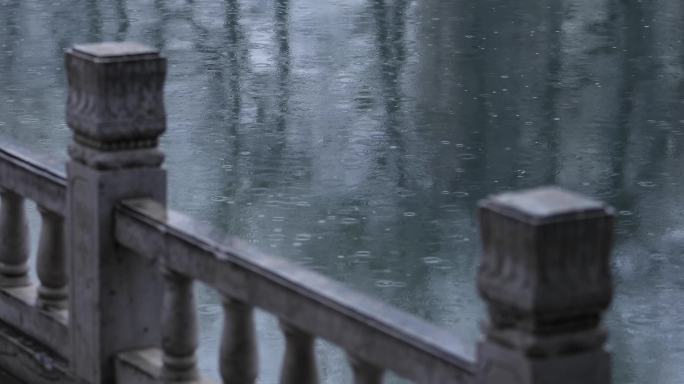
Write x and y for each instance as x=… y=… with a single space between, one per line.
x=355 y=137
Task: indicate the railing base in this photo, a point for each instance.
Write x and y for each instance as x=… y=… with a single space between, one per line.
x=501 y=365
x=29 y=360
x=49 y=327
x=144 y=366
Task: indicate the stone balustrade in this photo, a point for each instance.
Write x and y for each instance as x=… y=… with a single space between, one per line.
x=126 y=314
x=37 y=309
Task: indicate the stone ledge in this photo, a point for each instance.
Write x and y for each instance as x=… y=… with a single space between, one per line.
x=29 y=360
x=50 y=327
x=6 y=378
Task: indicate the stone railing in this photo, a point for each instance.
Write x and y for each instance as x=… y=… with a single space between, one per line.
x=127 y=312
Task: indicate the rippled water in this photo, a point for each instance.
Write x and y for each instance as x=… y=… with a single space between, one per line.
x=355 y=137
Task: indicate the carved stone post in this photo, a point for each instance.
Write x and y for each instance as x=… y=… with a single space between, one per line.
x=545 y=276
x=51 y=263
x=179 y=329
x=14 y=246
x=238 y=361
x=116 y=111
x=299 y=364
x=364 y=373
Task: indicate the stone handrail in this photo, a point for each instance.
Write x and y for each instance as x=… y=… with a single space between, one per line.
x=377 y=334
x=34 y=176
x=127 y=312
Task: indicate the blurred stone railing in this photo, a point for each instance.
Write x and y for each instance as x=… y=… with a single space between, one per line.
x=127 y=312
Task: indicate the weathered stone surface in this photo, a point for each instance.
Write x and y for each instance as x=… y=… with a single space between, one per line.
x=375 y=332
x=29 y=176
x=51 y=265
x=49 y=327
x=27 y=359
x=14 y=247
x=545 y=273
x=115 y=104
x=179 y=328
x=116 y=51
x=363 y=372
x=299 y=362
x=238 y=358
x=115 y=296
x=502 y=365
x=547 y=263
x=33 y=176
x=5 y=378
x=144 y=366
x=545 y=276
x=116 y=111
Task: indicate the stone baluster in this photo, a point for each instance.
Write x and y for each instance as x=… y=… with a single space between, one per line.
x=115 y=109
x=14 y=246
x=364 y=372
x=238 y=361
x=545 y=277
x=299 y=364
x=179 y=329
x=51 y=263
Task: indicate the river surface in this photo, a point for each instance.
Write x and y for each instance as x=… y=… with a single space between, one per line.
x=355 y=137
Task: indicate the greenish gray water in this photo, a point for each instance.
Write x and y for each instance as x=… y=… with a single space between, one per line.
x=355 y=137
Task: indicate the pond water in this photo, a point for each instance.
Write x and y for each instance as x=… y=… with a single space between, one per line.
x=355 y=137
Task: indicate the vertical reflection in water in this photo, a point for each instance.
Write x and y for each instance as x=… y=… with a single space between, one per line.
x=391 y=160
x=630 y=16
x=158 y=32
x=230 y=105
x=122 y=20
x=10 y=33
x=283 y=62
x=625 y=101
x=9 y=15
x=95 y=20
x=273 y=164
x=9 y=38
x=649 y=173
x=448 y=83
x=587 y=101
x=410 y=181
x=548 y=127
x=390 y=57
x=234 y=49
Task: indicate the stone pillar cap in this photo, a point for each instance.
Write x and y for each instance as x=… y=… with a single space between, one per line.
x=116 y=51
x=115 y=104
x=545 y=205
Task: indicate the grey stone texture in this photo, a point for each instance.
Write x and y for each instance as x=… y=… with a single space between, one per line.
x=545 y=276
x=115 y=104
x=238 y=360
x=115 y=109
x=115 y=304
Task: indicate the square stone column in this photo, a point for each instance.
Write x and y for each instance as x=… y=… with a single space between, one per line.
x=116 y=111
x=545 y=277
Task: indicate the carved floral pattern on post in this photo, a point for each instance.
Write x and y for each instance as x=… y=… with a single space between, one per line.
x=545 y=276
x=128 y=90
x=14 y=246
x=115 y=104
x=238 y=361
x=179 y=329
x=299 y=363
x=51 y=263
